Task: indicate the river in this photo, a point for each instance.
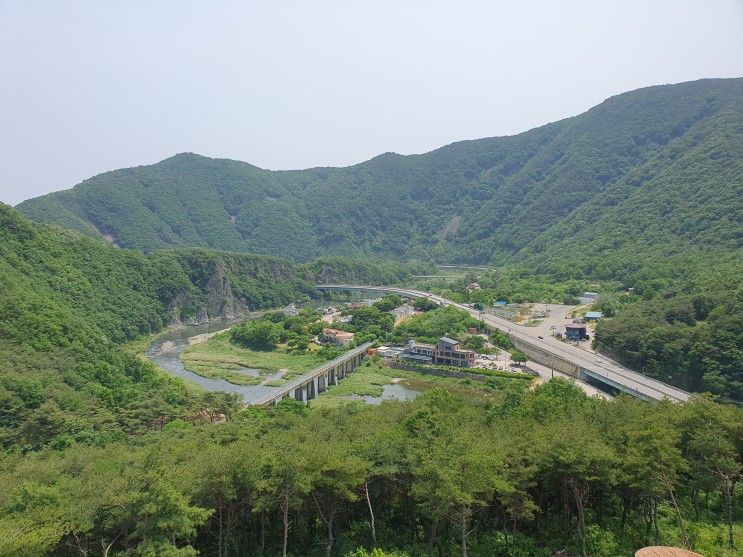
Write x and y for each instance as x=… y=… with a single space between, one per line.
x=166 y=351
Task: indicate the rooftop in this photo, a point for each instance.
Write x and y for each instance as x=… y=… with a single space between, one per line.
x=423 y=345
x=449 y=340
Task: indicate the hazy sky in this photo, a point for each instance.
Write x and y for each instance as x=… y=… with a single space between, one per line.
x=87 y=87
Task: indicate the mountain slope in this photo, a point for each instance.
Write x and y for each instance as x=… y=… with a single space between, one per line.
x=487 y=200
x=687 y=199
x=67 y=302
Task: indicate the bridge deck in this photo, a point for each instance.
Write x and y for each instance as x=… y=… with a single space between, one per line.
x=294 y=384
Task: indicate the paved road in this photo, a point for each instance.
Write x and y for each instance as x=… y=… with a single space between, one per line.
x=558 y=316
x=594 y=364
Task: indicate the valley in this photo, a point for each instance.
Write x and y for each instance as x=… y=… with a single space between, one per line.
x=514 y=346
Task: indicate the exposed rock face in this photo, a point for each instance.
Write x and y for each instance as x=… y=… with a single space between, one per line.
x=220 y=301
x=214 y=300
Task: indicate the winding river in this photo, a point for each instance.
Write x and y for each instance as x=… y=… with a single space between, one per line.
x=166 y=351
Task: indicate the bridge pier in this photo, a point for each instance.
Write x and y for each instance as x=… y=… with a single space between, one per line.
x=310 y=385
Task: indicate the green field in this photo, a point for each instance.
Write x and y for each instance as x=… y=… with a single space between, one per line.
x=370 y=378
x=218 y=358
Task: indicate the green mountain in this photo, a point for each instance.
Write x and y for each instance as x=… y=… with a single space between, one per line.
x=659 y=168
x=101 y=453
x=67 y=302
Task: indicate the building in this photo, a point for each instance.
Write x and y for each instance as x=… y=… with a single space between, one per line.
x=421 y=349
x=593 y=315
x=392 y=352
x=334 y=336
x=416 y=358
x=575 y=332
x=446 y=352
x=449 y=353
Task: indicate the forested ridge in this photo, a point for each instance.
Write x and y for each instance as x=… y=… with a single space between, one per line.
x=67 y=302
x=644 y=191
x=653 y=171
x=525 y=473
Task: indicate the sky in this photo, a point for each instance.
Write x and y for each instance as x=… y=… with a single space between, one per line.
x=87 y=87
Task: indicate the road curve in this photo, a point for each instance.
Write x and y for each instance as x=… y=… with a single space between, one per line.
x=598 y=365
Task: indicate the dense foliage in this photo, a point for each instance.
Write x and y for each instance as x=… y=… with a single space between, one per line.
x=523 y=473
x=657 y=168
x=272 y=328
x=66 y=301
x=695 y=341
x=431 y=325
x=259 y=334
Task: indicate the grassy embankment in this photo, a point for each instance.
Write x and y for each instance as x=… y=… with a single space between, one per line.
x=218 y=358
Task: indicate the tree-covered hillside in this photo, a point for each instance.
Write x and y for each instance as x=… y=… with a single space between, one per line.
x=655 y=169
x=67 y=302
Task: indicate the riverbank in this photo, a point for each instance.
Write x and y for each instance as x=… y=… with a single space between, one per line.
x=218 y=358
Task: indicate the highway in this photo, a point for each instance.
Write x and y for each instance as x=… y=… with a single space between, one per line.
x=597 y=366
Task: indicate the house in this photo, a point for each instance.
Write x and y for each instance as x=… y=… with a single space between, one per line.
x=449 y=353
x=421 y=349
x=575 y=332
x=446 y=352
x=593 y=315
x=500 y=303
x=334 y=336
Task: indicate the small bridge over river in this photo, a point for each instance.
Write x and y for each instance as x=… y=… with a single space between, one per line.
x=310 y=385
x=580 y=364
